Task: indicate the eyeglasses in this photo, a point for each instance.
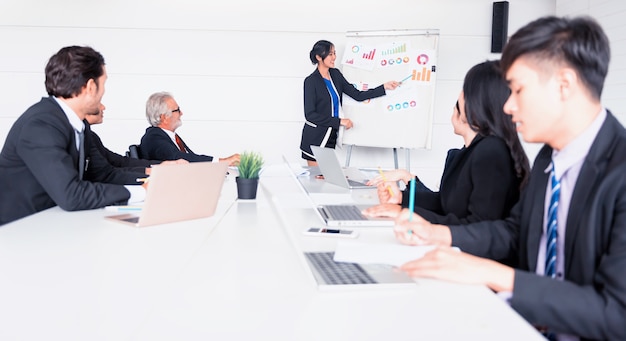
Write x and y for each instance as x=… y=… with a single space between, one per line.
x=176 y=110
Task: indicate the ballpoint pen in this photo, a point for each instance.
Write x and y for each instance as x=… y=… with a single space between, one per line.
x=411 y=201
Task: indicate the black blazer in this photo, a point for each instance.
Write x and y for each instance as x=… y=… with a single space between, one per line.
x=119 y=161
x=157 y=145
x=318 y=105
x=478 y=183
x=591 y=300
x=39 y=167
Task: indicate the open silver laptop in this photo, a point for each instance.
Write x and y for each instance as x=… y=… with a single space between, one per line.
x=331 y=275
x=179 y=192
x=341 y=215
x=349 y=215
x=331 y=169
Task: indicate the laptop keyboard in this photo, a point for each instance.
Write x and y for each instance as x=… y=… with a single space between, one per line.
x=344 y=212
x=357 y=183
x=338 y=273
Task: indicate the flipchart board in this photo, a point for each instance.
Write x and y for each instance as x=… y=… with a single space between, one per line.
x=403 y=117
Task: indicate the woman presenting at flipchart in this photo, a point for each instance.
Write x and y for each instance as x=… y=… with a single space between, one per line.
x=323 y=90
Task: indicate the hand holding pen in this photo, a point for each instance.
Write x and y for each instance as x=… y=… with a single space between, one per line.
x=382 y=175
x=389 y=193
x=393 y=175
x=412 y=229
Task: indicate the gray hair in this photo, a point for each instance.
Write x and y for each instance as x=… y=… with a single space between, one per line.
x=156 y=106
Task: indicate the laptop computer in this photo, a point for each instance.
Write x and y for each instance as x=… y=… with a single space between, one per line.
x=350 y=215
x=343 y=214
x=179 y=192
x=332 y=171
x=331 y=275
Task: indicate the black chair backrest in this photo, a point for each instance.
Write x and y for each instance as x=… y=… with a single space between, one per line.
x=133 y=151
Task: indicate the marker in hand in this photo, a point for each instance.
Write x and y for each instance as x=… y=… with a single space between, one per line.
x=405 y=78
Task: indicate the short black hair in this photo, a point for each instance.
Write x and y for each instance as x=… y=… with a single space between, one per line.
x=578 y=42
x=322 y=49
x=69 y=70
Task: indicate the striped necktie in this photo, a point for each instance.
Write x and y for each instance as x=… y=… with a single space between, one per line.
x=551 y=227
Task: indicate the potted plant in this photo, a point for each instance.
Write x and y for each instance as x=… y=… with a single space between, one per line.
x=250 y=164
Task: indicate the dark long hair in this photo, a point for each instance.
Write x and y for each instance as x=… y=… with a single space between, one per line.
x=485 y=92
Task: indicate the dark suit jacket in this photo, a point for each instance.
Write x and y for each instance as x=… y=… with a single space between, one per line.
x=39 y=167
x=119 y=161
x=318 y=105
x=591 y=301
x=157 y=145
x=478 y=183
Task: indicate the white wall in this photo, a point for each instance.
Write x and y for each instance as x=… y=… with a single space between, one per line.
x=611 y=14
x=236 y=68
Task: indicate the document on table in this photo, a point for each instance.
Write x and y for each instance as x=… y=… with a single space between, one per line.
x=370 y=253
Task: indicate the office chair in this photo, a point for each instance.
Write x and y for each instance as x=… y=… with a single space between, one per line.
x=133 y=151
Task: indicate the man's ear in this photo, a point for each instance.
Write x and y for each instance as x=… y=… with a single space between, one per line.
x=568 y=82
x=91 y=86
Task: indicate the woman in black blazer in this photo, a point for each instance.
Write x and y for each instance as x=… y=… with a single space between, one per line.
x=482 y=180
x=323 y=90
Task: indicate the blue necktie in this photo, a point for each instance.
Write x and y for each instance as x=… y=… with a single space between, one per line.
x=551 y=234
x=551 y=227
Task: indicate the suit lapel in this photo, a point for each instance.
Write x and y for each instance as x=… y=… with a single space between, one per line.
x=590 y=175
x=455 y=156
x=535 y=227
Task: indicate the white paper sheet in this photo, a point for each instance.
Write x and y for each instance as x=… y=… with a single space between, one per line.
x=370 y=253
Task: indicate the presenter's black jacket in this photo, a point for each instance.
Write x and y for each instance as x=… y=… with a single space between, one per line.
x=318 y=107
x=478 y=183
x=39 y=167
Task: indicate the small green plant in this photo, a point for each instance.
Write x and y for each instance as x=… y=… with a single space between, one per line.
x=250 y=164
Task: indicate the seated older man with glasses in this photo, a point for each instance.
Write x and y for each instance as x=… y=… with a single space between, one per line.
x=160 y=142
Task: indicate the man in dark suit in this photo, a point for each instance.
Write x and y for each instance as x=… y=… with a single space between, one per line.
x=160 y=142
x=41 y=163
x=117 y=160
x=567 y=234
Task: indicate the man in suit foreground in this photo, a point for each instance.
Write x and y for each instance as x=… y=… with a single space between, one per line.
x=41 y=163
x=160 y=141
x=567 y=234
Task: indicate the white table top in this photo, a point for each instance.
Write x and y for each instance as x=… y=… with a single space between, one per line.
x=238 y=275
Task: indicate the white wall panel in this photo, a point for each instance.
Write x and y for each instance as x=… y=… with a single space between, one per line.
x=237 y=67
x=611 y=14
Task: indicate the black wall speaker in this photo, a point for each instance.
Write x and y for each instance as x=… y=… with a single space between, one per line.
x=499 y=25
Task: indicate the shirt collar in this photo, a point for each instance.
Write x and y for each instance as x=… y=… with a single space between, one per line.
x=577 y=149
x=169 y=133
x=72 y=117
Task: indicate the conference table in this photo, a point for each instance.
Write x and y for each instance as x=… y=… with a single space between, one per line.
x=237 y=275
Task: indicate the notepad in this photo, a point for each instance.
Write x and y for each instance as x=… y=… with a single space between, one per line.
x=383 y=253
